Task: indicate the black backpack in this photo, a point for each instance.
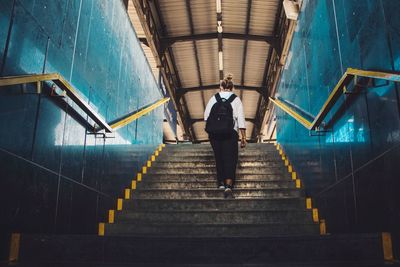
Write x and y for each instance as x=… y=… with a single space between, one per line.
x=221 y=121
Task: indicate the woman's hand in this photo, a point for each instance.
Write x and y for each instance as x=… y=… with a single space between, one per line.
x=243 y=143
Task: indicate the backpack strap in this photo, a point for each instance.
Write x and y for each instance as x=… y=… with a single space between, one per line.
x=231 y=98
x=218 y=97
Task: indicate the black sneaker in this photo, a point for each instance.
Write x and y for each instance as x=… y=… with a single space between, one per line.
x=228 y=193
x=221 y=186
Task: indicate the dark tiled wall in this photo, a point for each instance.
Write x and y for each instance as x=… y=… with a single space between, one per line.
x=54 y=175
x=352 y=169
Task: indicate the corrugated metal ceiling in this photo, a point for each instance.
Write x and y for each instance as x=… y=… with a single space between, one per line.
x=242 y=58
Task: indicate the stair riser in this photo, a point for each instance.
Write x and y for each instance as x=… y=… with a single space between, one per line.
x=213 y=177
x=123 y=170
x=247 y=164
x=211 y=158
x=260 y=154
x=212 y=205
x=201 y=148
x=212 y=171
x=219 y=217
x=133 y=249
x=212 y=184
x=169 y=194
x=266 y=230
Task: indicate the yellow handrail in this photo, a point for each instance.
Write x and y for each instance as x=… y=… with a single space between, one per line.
x=74 y=94
x=143 y=111
x=339 y=89
x=306 y=123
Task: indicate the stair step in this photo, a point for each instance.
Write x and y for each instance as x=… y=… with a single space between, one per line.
x=215 y=193
x=249 y=250
x=211 y=230
x=200 y=177
x=245 y=164
x=212 y=184
x=211 y=153
x=214 y=204
x=212 y=170
x=249 y=146
x=210 y=157
x=218 y=217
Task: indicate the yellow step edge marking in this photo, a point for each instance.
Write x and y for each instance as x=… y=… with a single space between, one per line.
x=119 y=204
x=322 y=227
x=111 y=216
x=156 y=153
x=290 y=169
x=298 y=183
x=315 y=215
x=144 y=169
x=101 y=229
x=133 y=185
x=14 y=247
x=153 y=158
x=387 y=247
x=283 y=157
x=280 y=152
x=286 y=162
x=294 y=176
x=139 y=177
x=148 y=163
x=162 y=145
x=308 y=203
x=127 y=194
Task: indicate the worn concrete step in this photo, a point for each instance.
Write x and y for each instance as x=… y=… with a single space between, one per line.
x=242 y=153
x=212 y=170
x=211 y=158
x=210 y=217
x=211 y=164
x=332 y=263
x=211 y=230
x=215 y=193
x=240 y=184
x=135 y=249
x=208 y=147
x=214 y=204
x=202 y=177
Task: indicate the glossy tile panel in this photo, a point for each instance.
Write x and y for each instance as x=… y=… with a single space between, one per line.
x=351 y=169
x=56 y=176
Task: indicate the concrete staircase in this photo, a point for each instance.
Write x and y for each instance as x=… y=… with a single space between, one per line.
x=178 y=217
x=179 y=197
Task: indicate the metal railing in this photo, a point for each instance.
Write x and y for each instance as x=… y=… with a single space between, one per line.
x=340 y=88
x=75 y=96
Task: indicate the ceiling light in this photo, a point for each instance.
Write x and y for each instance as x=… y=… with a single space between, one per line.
x=219 y=27
x=221 y=60
x=218 y=3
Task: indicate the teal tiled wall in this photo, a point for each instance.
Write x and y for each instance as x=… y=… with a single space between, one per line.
x=54 y=173
x=350 y=170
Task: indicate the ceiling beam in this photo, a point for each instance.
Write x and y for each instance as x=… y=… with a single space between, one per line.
x=182 y=91
x=214 y=35
x=268 y=75
x=171 y=79
x=249 y=4
x=189 y=131
x=143 y=40
x=169 y=41
x=189 y=12
x=192 y=121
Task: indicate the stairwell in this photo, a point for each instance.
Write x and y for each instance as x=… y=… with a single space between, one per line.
x=176 y=216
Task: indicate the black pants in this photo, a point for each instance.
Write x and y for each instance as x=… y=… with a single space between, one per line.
x=226 y=155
